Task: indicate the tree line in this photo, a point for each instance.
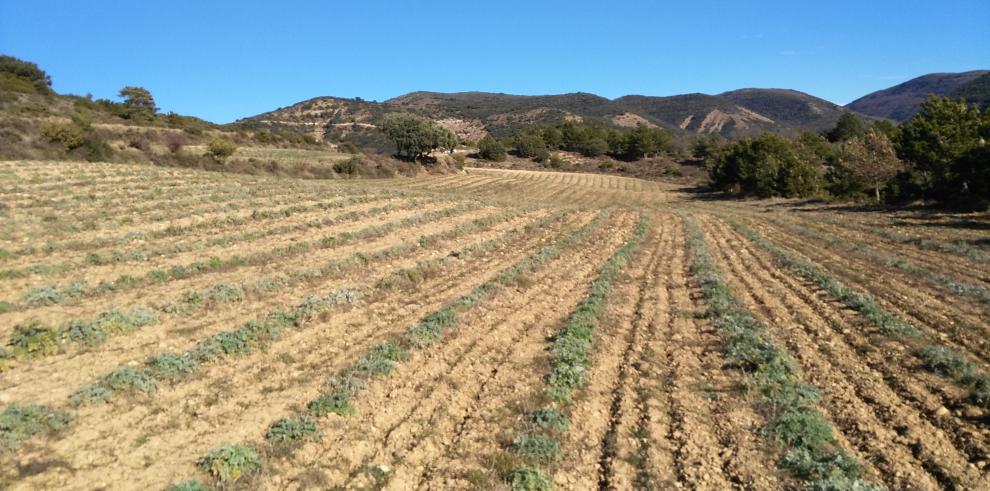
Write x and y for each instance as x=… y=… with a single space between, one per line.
x=940 y=154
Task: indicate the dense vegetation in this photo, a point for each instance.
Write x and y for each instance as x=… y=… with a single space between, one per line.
x=589 y=139
x=939 y=154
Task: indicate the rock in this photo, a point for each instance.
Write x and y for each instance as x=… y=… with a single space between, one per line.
x=942 y=411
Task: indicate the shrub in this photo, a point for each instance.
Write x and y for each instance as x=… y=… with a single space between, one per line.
x=537 y=449
x=529 y=479
x=381 y=359
x=490 y=149
x=129 y=379
x=220 y=149
x=230 y=462
x=91 y=393
x=347 y=167
x=175 y=141
x=170 y=366
x=336 y=402
x=68 y=135
x=224 y=293
x=551 y=419
x=18 y=422
x=291 y=429
x=33 y=339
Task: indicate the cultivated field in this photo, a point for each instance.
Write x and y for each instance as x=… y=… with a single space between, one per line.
x=487 y=330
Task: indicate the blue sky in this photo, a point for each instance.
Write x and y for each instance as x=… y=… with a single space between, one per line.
x=223 y=60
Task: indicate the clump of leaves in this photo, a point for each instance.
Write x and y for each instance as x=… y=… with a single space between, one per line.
x=230 y=462
x=549 y=418
x=33 y=339
x=130 y=379
x=170 y=366
x=381 y=359
x=529 y=479
x=91 y=394
x=224 y=293
x=537 y=449
x=292 y=429
x=21 y=421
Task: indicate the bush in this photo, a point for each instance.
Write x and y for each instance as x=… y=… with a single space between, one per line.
x=529 y=479
x=348 y=167
x=68 y=135
x=537 y=449
x=220 y=149
x=490 y=149
x=230 y=462
x=18 y=422
x=292 y=429
x=175 y=141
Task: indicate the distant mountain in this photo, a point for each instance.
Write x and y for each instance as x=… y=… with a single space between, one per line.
x=733 y=114
x=900 y=102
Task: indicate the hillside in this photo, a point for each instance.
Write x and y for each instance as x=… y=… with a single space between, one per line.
x=472 y=114
x=901 y=101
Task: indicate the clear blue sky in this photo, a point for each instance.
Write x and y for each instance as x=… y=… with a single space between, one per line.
x=222 y=60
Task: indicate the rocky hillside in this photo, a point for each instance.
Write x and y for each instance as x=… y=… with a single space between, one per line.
x=472 y=114
x=901 y=101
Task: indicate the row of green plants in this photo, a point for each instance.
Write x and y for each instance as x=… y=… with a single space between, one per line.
x=789 y=405
x=958 y=248
x=225 y=463
x=34 y=339
x=538 y=446
x=171 y=231
x=256 y=334
x=60 y=223
x=173 y=247
x=54 y=295
x=977 y=292
x=251 y=336
x=934 y=357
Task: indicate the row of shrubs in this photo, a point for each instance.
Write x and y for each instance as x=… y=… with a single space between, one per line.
x=790 y=406
x=589 y=139
x=538 y=445
x=230 y=462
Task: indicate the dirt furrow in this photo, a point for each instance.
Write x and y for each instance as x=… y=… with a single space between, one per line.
x=908 y=452
x=440 y=386
x=183 y=423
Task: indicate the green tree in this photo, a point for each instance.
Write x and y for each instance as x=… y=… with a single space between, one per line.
x=972 y=174
x=415 y=136
x=872 y=160
x=28 y=71
x=936 y=137
x=849 y=126
x=138 y=102
x=769 y=165
x=644 y=141
x=530 y=145
x=490 y=149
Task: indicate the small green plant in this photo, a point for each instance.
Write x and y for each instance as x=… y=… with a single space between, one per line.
x=170 y=366
x=551 y=419
x=44 y=295
x=292 y=429
x=529 y=479
x=191 y=485
x=22 y=421
x=224 y=293
x=130 y=379
x=33 y=340
x=230 y=462
x=336 y=402
x=381 y=359
x=537 y=449
x=91 y=394
x=944 y=361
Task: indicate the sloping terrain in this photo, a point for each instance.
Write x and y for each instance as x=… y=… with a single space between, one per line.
x=901 y=101
x=494 y=329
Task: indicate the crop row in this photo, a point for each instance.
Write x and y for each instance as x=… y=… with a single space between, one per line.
x=57 y=295
x=35 y=340
x=229 y=462
x=537 y=446
x=934 y=357
x=789 y=405
x=114 y=257
x=958 y=248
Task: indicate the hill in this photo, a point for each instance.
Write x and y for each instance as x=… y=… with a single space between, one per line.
x=901 y=101
x=472 y=114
